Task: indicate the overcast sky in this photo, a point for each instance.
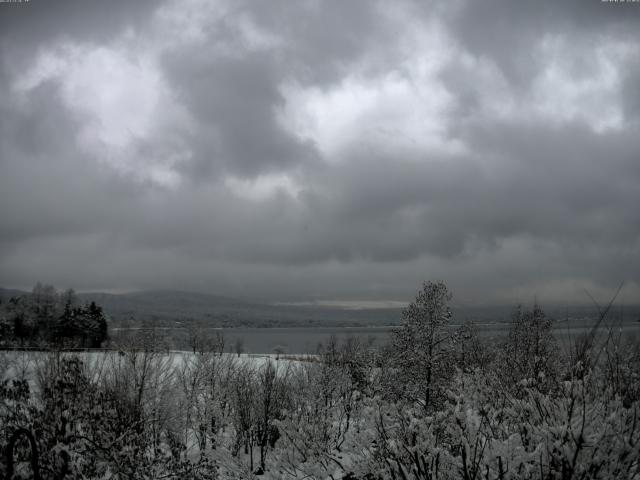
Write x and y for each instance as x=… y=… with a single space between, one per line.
x=322 y=150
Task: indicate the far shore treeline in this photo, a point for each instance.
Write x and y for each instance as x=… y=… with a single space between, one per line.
x=48 y=317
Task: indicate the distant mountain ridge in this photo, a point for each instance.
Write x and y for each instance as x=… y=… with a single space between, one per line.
x=7 y=293
x=171 y=308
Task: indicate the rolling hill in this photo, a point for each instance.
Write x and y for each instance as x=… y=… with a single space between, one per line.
x=169 y=308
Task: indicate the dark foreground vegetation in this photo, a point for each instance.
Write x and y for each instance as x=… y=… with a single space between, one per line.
x=433 y=404
x=48 y=318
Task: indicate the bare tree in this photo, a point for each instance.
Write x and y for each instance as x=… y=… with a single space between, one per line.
x=218 y=343
x=270 y=400
x=323 y=410
x=279 y=350
x=471 y=350
x=243 y=411
x=531 y=350
x=238 y=346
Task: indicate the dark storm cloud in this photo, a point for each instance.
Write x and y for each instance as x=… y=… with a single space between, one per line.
x=235 y=96
x=323 y=39
x=47 y=188
x=507 y=31
x=221 y=160
x=93 y=20
x=27 y=27
x=630 y=92
x=233 y=101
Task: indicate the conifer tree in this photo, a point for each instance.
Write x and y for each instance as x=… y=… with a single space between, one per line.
x=421 y=348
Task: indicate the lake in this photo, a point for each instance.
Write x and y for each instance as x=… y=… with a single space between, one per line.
x=305 y=340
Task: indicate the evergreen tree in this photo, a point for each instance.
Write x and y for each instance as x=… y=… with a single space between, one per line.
x=421 y=349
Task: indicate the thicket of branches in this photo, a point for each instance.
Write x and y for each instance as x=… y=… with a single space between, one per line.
x=436 y=403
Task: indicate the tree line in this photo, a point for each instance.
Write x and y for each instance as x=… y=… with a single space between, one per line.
x=46 y=317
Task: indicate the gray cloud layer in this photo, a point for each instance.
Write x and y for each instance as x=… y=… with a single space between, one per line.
x=307 y=150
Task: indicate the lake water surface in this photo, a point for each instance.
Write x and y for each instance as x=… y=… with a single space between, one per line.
x=305 y=340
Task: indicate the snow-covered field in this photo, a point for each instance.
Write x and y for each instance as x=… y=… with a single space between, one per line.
x=19 y=364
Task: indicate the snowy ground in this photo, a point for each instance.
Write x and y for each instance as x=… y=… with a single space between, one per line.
x=20 y=364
